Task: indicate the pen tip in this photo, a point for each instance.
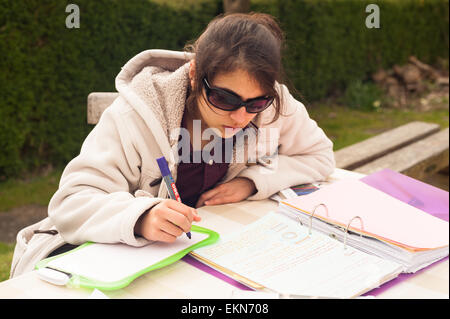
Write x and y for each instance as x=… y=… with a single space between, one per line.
x=189 y=235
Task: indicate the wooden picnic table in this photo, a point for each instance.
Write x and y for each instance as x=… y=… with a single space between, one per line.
x=181 y=280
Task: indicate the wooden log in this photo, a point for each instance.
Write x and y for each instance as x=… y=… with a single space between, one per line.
x=358 y=154
x=418 y=160
x=427 y=69
x=97 y=102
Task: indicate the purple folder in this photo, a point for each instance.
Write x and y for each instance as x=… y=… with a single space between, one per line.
x=428 y=198
x=198 y=264
x=423 y=196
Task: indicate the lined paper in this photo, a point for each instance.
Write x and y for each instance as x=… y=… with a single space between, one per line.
x=279 y=254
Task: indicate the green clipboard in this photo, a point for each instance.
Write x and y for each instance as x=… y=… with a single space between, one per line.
x=76 y=280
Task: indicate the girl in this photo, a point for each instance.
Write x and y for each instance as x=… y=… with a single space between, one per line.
x=220 y=116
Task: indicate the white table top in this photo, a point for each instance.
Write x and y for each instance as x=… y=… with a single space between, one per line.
x=181 y=280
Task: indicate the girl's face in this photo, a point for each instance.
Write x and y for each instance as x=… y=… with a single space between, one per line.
x=228 y=123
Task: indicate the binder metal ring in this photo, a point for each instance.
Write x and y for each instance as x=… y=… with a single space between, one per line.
x=348 y=225
x=312 y=215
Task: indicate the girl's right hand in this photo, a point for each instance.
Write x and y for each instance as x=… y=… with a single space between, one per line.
x=166 y=221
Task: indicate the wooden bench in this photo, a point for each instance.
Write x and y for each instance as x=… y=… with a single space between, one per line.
x=416 y=149
x=97 y=102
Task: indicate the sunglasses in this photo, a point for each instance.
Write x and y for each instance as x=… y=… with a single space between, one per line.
x=230 y=101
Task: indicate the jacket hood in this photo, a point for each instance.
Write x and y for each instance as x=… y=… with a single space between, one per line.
x=155 y=84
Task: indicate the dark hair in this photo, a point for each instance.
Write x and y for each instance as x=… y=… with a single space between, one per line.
x=252 y=42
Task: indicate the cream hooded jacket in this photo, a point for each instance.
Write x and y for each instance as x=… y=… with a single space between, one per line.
x=108 y=186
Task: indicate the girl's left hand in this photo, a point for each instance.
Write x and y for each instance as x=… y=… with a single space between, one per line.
x=233 y=191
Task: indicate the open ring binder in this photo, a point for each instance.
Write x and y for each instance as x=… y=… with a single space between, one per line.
x=394 y=229
x=348 y=225
x=312 y=215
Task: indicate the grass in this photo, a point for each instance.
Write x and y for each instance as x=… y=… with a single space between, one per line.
x=35 y=190
x=343 y=125
x=6 y=254
x=19 y=192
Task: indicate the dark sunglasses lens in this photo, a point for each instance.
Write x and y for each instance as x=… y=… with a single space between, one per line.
x=259 y=105
x=222 y=100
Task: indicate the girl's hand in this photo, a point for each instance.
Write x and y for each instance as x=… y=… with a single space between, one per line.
x=233 y=191
x=166 y=221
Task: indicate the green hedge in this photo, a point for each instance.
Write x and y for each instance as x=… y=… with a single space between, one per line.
x=47 y=70
x=329 y=45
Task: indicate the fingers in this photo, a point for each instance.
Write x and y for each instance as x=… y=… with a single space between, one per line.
x=179 y=220
x=233 y=191
x=171 y=229
x=168 y=220
x=207 y=195
x=189 y=212
x=219 y=200
x=164 y=237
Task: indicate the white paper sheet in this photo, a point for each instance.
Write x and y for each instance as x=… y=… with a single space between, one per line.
x=278 y=253
x=113 y=262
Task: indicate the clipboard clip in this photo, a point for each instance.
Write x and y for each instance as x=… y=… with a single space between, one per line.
x=54 y=276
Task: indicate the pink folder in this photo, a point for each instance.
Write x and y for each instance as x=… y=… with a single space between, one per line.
x=383 y=216
x=423 y=196
x=430 y=199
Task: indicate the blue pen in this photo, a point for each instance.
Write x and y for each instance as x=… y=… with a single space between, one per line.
x=170 y=183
